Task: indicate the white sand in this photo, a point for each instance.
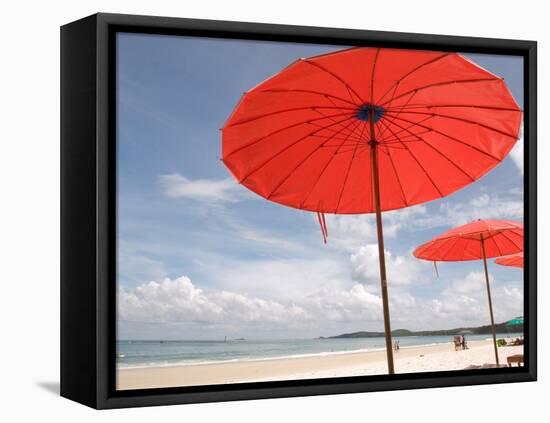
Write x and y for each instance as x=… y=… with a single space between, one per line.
x=439 y=357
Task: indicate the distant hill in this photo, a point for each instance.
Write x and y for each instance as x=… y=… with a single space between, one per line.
x=480 y=330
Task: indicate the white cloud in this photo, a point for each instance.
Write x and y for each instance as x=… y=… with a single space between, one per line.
x=322 y=311
x=175 y=185
x=401 y=270
x=168 y=300
x=264 y=238
x=469 y=295
x=350 y=232
x=282 y=279
x=517 y=154
x=485 y=206
x=355 y=304
x=179 y=300
x=462 y=303
x=135 y=264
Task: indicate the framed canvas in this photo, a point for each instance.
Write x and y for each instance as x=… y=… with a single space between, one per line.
x=257 y=211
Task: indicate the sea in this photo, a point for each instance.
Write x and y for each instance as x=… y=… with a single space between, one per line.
x=158 y=353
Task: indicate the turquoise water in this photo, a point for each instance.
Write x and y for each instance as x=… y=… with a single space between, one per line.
x=173 y=353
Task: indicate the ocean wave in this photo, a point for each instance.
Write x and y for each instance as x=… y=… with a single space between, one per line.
x=177 y=363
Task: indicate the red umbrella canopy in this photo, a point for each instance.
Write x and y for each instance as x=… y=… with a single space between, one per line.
x=515 y=260
x=501 y=238
x=301 y=138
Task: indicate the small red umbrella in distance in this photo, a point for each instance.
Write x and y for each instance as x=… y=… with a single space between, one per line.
x=477 y=240
x=515 y=260
x=365 y=130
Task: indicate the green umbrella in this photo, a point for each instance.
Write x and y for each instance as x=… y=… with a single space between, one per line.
x=515 y=321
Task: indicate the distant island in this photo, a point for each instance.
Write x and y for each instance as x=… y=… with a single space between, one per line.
x=480 y=330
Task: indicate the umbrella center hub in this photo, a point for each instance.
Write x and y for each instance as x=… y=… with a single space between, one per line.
x=368 y=111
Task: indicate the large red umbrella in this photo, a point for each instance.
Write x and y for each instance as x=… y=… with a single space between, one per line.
x=477 y=240
x=515 y=260
x=366 y=130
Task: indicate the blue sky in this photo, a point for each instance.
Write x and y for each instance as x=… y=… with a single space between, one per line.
x=200 y=257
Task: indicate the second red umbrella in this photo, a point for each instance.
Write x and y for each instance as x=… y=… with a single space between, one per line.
x=477 y=240
x=515 y=260
x=365 y=130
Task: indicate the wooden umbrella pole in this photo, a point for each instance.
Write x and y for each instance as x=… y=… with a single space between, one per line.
x=381 y=254
x=490 y=301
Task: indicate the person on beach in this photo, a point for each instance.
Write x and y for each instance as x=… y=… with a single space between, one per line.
x=464 y=344
x=396 y=345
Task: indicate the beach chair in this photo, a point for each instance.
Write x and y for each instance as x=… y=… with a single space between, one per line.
x=458 y=342
x=518 y=358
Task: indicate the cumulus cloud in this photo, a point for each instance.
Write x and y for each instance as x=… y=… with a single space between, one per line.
x=401 y=270
x=485 y=206
x=175 y=185
x=470 y=294
x=179 y=300
x=350 y=232
x=168 y=300
x=355 y=304
x=462 y=303
x=517 y=152
x=323 y=311
x=282 y=279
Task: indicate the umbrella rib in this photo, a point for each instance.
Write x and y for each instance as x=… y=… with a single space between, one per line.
x=330 y=130
x=407 y=102
x=374 y=62
x=351 y=131
x=328 y=117
x=440 y=84
x=353 y=146
x=440 y=153
x=286 y=148
x=276 y=112
x=395 y=84
x=496 y=245
x=339 y=138
x=469 y=235
x=451 y=138
x=285 y=128
x=297 y=90
x=457 y=240
x=398 y=179
x=394 y=92
x=468 y=106
x=348 y=170
x=405 y=138
x=408 y=127
x=419 y=164
x=453 y=245
x=289 y=174
x=505 y=235
x=349 y=87
x=325 y=168
x=397 y=175
x=372 y=75
x=462 y=120
x=432 y=245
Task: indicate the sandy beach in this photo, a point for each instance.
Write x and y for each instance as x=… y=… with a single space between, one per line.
x=407 y=360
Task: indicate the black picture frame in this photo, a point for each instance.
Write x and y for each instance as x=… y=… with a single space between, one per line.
x=88 y=201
